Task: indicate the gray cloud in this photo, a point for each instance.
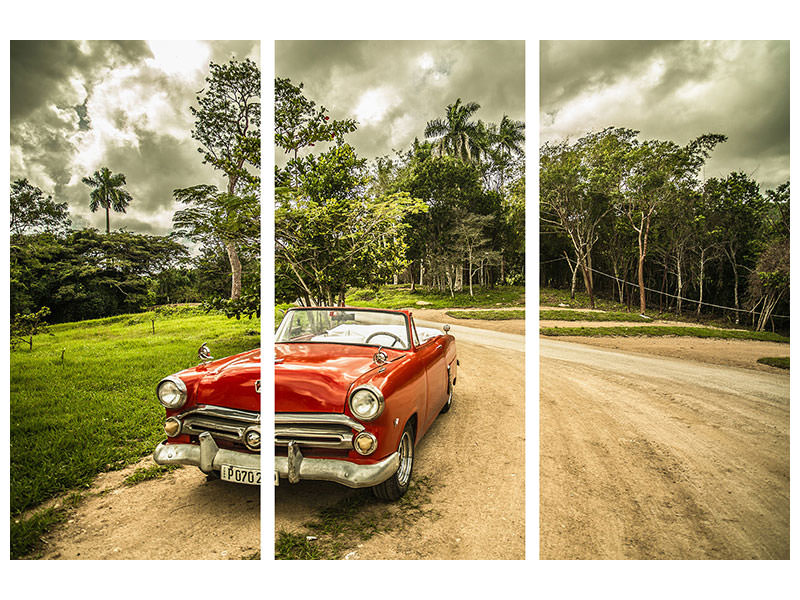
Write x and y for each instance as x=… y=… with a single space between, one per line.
x=675 y=90
x=78 y=106
x=394 y=88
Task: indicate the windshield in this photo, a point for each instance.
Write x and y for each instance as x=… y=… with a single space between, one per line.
x=345 y=326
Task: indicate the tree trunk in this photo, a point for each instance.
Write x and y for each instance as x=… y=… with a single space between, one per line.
x=702 y=276
x=236 y=270
x=108 y=220
x=679 y=301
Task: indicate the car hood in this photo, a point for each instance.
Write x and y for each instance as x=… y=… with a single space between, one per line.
x=316 y=377
x=230 y=381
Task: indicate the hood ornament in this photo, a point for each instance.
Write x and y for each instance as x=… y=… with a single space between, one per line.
x=380 y=357
x=204 y=354
x=446 y=327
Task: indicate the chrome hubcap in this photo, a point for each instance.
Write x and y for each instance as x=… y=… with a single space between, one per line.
x=406 y=451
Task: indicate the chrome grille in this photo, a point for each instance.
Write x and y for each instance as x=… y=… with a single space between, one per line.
x=222 y=423
x=316 y=430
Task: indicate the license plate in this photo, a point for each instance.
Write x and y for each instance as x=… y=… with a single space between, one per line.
x=277 y=478
x=240 y=475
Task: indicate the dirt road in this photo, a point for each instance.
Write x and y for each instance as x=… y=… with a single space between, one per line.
x=658 y=457
x=474 y=457
x=180 y=516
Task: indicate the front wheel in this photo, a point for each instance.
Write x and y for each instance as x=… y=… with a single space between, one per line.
x=397 y=485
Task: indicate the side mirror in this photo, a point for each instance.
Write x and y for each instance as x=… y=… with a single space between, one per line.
x=446 y=327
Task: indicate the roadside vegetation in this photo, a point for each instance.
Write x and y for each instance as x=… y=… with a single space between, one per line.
x=486 y=315
x=83 y=399
x=636 y=220
x=26 y=533
x=681 y=331
x=577 y=315
x=780 y=362
x=336 y=530
x=401 y=296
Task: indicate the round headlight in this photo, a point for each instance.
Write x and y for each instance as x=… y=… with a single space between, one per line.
x=171 y=392
x=366 y=403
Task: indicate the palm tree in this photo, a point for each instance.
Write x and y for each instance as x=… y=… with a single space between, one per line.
x=510 y=137
x=456 y=134
x=506 y=140
x=107 y=192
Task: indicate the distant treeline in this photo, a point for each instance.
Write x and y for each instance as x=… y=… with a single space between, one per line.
x=86 y=274
x=619 y=214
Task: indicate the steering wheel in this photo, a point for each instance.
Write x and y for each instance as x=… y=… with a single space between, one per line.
x=386 y=333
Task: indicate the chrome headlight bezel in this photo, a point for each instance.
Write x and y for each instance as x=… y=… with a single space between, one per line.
x=377 y=402
x=180 y=386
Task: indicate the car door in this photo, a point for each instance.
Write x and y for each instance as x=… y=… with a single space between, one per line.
x=432 y=355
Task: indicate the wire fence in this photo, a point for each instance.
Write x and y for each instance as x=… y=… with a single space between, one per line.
x=654 y=291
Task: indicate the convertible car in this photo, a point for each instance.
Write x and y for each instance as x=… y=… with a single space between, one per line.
x=213 y=417
x=355 y=390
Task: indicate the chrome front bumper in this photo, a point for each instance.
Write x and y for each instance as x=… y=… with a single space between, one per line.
x=296 y=467
x=207 y=456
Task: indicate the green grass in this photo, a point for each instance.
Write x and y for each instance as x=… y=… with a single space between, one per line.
x=355 y=518
x=27 y=532
x=97 y=411
x=148 y=473
x=781 y=362
x=400 y=296
x=576 y=315
x=645 y=331
x=486 y=315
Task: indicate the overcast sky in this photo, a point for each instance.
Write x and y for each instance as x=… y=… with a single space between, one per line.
x=394 y=88
x=80 y=106
x=675 y=91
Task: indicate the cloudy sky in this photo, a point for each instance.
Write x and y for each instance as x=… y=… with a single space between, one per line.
x=675 y=91
x=394 y=88
x=79 y=106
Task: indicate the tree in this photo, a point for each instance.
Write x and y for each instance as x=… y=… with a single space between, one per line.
x=579 y=184
x=300 y=124
x=107 y=193
x=456 y=134
x=25 y=326
x=331 y=234
x=32 y=213
x=740 y=206
x=228 y=127
x=658 y=172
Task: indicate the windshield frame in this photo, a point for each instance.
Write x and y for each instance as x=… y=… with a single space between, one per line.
x=287 y=316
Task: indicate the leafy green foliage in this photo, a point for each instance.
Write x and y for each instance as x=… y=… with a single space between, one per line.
x=25 y=326
x=401 y=296
x=32 y=213
x=780 y=362
x=87 y=275
x=228 y=127
x=486 y=315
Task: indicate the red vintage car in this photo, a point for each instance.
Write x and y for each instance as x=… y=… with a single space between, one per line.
x=214 y=417
x=355 y=390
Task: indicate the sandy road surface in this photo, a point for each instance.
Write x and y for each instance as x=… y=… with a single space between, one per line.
x=474 y=456
x=657 y=457
x=180 y=516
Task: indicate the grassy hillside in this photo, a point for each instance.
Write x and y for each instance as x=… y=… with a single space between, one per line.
x=96 y=410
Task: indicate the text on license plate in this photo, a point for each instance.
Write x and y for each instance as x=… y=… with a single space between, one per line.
x=240 y=475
